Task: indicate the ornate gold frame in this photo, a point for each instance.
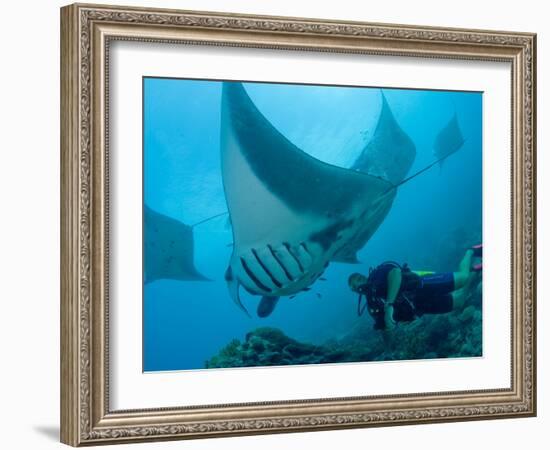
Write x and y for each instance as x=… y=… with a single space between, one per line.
x=86 y=31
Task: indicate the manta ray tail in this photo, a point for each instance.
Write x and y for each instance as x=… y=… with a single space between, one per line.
x=208 y=219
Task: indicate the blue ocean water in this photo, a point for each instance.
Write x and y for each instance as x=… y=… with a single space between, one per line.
x=186 y=323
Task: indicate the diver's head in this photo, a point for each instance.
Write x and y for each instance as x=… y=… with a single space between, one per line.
x=357 y=282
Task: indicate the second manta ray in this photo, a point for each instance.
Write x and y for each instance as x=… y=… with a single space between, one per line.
x=292 y=214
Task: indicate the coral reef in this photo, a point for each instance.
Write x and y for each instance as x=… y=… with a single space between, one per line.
x=456 y=334
x=266 y=347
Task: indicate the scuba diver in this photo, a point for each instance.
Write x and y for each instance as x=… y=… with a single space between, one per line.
x=395 y=293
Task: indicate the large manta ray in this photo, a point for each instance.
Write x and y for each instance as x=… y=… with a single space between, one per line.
x=168 y=249
x=292 y=214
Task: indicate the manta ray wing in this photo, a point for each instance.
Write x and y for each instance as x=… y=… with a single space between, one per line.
x=448 y=140
x=389 y=154
x=168 y=249
x=290 y=212
x=348 y=253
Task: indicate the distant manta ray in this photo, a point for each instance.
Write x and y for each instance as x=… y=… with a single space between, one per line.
x=449 y=140
x=292 y=214
x=390 y=153
x=168 y=249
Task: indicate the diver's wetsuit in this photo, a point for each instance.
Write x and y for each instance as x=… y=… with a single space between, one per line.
x=419 y=293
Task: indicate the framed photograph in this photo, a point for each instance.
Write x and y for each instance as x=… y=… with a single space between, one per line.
x=276 y=224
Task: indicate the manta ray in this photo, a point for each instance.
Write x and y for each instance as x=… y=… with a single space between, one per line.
x=291 y=213
x=168 y=249
x=448 y=140
x=390 y=153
